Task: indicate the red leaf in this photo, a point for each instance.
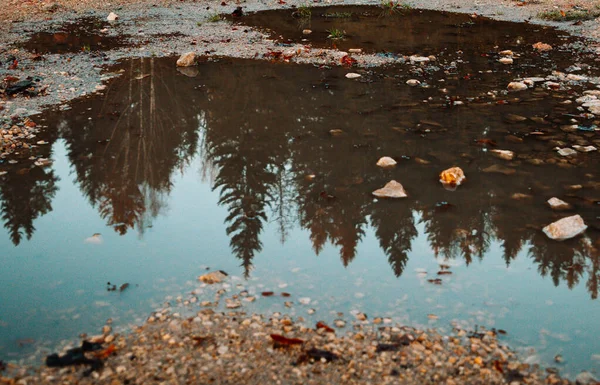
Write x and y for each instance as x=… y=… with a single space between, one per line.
x=104 y=354
x=348 y=61
x=323 y=325
x=286 y=341
x=267 y=293
x=14 y=65
x=285 y=294
x=486 y=142
x=498 y=366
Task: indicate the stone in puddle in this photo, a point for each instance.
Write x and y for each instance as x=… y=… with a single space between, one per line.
x=352 y=75
x=503 y=154
x=566 y=152
x=496 y=168
x=187 y=60
x=213 y=277
x=542 y=47
x=392 y=189
x=517 y=86
x=306 y=31
x=585 y=148
x=452 y=177
x=413 y=82
x=558 y=204
x=565 y=228
x=386 y=162
x=506 y=60
x=112 y=16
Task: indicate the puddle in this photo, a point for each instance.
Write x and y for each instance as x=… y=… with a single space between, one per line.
x=234 y=165
x=376 y=29
x=83 y=35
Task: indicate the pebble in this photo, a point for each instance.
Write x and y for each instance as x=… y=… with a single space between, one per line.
x=392 y=189
x=413 y=82
x=386 y=162
x=565 y=228
x=517 y=86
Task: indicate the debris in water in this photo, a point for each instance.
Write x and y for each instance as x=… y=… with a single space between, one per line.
x=76 y=356
x=452 y=177
x=95 y=239
x=352 y=75
x=324 y=326
x=542 y=47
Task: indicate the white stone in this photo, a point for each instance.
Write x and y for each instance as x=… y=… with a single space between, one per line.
x=558 y=204
x=565 y=228
x=517 y=86
x=352 y=75
x=585 y=148
x=112 y=16
x=419 y=59
x=413 y=82
x=386 y=162
x=304 y=300
x=187 y=60
x=392 y=189
x=566 y=152
x=503 y=154
x=506 y=60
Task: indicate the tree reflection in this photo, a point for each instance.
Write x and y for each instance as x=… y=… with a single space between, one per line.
x=266 y=141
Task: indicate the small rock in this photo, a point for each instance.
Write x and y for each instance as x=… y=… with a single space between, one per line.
x=392 y=189
x=233 y=303
x=585 y=378
x=336 y=132
x=355 y=50
x=506 y=53
x=386 y=162
x=419 y=59
x=306 y=31
x=565 y=228
x=304 y=300
x=517 y=86
x=187 y=60
x=339 y=323
x=213 y=277
x=566 y=152
x=503 y=154
x=413 y=82
x=352 y=75
x=223 y=349
x=558 y=358
x=506 y=60
x=542 y=47
x=585 y=148
x=112 y=16
x=558 y=204
x=361 y=316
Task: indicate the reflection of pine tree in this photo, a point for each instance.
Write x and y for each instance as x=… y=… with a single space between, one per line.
x=395 y=230
x=24 y=198
x=458 y=234
x=559 y=260
x=245 y=181
x=124 y=163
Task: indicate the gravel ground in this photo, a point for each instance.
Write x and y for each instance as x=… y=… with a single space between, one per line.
x=176 y=346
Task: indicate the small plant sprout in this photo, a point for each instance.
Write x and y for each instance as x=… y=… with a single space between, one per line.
x=335 y=33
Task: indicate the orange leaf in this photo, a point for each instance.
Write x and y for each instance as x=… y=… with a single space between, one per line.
x=286 y=341
x=104 y=354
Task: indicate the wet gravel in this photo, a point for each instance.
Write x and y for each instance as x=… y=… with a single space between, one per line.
x=180 y=345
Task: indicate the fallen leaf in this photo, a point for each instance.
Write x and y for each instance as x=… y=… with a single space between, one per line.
x=286 y=341
x=323 y=325
x=104 y=354
x=267 y=293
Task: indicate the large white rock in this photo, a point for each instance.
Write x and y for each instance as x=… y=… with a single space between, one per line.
x=187 y=60
x=565 y=228
x=112 y=16
x=392 y=189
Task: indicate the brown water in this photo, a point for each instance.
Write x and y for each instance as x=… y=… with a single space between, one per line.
x=83 y=35
x=233 y=165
